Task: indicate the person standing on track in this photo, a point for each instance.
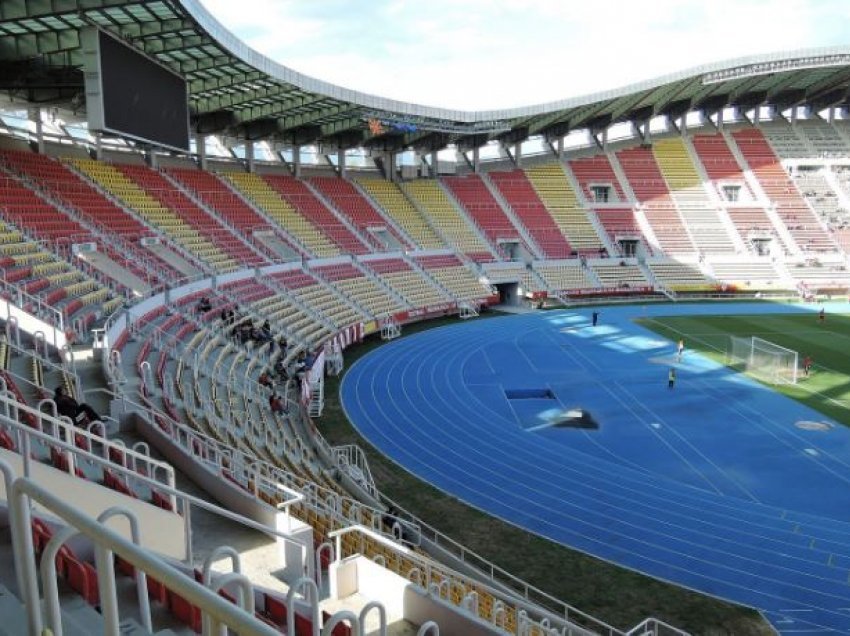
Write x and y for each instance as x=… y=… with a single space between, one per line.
x=680 y=349
x=671 y=378
x=822 y=316
x=595 y=318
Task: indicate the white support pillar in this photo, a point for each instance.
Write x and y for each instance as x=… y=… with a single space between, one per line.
x=435 y=166
x=518 y=154
x=476 y=160
x=560 y=146
x=249 y=156
x=98 y=146
x=390 y=165
x=35 y=117
x=296 y=160
x=201 y=150
x=340 y=162
x=152 y=159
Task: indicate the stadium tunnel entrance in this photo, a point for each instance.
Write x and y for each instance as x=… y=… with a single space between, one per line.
x=509 y=293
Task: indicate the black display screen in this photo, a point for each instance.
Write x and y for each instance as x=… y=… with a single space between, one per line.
x=142 y=99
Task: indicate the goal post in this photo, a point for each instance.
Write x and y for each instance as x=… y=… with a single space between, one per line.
x=763 y=359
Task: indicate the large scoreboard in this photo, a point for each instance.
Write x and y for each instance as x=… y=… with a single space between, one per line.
x=130 y=95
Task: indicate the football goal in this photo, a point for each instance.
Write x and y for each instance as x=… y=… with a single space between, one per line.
x=763 y=359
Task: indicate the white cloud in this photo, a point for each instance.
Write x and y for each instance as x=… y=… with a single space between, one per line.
x=482 y=54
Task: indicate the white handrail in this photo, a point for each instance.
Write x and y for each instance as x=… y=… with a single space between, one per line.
x=107 y=543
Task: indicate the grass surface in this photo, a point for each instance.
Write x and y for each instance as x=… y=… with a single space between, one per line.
x=827 y=389
x=613 y=594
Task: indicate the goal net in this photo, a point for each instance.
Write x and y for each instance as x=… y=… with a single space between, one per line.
x=763 y=359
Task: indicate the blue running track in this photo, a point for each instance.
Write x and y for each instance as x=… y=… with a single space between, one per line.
x=711 y=485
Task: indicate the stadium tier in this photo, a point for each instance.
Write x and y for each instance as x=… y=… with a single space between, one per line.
x=414 y=286
x=302 y=199
x=779 y=189
x=552 y=185
x=287 y=216
x=390 y=198
x=435 y=203
x=704 y=219
x=359 y=211
x=134 y=198
x=226 y=240
x=654 y=200
x=91 y=217
x=234 y=210
x=523 y=199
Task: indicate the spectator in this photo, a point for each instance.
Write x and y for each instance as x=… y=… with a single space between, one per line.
x=204 y=305
x=277 y=404
x=70 y=408
x=265 y=380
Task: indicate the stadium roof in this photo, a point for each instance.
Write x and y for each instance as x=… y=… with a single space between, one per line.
x=237 y=91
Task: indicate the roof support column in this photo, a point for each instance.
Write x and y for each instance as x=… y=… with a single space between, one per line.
x=560 y=147
x=201 y=150
x=434 y=168
x=340 y=163
x=249 y=156
x=296 y=160
x=152 y=159
x=35 y=117
x=98 y=147
x=391 y=165
x=476 y=160
x=518 y=154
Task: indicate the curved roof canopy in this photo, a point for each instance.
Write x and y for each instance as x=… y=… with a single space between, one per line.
x=237 y=91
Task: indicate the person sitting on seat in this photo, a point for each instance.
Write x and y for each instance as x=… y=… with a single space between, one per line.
x=70 y=408
x=277 y=404
x=265 y=380
x=204 y=305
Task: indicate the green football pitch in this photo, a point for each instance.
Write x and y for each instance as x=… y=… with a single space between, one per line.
x=827 y=389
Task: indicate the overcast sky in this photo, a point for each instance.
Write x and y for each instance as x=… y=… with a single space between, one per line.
x=483 y=54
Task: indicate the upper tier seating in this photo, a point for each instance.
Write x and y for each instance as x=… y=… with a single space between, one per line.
x=135 y=198
x=159 y=188
x=780 y=189
x=621 y=224
x=787 y=142
x=597 y=171
x=720 y=164
x=432 y=200
x=301 y=198
x=361 y=213
x=216 y=196
x=700 y=215
x=820 y=195
x=267 y=199
x=521 y=196
x=823 y=138
x=72 y=193
x=651 y=191
x=473 y=195
x=557 y=194
x=393 y=202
